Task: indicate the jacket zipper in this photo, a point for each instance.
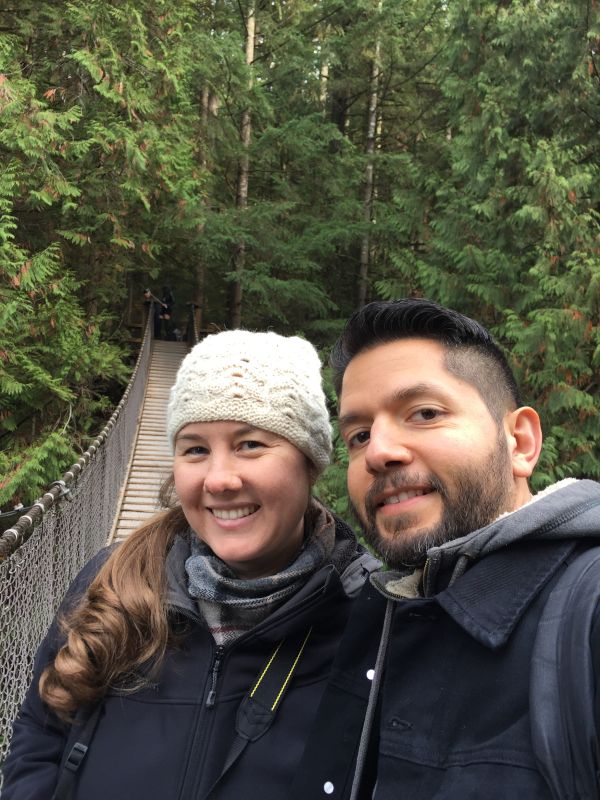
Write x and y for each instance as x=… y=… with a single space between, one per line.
x=425 y=576
x=216 y=665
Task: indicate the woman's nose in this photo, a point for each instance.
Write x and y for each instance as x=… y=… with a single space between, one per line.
x=386 y=449
x=221 y=476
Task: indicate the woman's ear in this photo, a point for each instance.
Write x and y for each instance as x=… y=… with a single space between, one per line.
x=524 y=435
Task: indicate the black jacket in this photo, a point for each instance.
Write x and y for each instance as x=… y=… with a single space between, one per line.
x=169 y=741
x=453 y=717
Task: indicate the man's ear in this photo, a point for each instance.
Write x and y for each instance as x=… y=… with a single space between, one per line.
x=524 y=435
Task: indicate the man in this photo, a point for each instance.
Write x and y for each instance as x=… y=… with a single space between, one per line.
x=440 y=451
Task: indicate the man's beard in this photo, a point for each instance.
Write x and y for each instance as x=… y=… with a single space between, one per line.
x=477 y=496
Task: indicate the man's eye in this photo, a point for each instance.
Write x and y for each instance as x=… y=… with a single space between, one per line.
x=358 y=438
x=427 y=413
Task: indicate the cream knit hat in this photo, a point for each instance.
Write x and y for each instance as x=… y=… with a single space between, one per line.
x=266 y=380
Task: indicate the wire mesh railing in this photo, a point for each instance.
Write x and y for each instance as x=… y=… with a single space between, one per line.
x=41 y=554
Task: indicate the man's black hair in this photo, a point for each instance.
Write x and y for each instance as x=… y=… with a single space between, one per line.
x=471 y=352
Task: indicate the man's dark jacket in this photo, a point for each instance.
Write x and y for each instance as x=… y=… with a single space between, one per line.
x=168 y=741
x=453 y=719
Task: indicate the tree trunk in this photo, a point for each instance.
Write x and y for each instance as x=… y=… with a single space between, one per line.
x=199 y=275
x=323 y=88
x=235 y=315
x=368 y=195
x=200 y=266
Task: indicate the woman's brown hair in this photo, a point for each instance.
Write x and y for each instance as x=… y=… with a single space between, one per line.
x=119 y=630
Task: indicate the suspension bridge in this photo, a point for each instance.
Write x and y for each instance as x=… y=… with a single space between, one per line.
x=106 y=494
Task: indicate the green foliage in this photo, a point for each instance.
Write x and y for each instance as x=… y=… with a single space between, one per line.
x=331 y=486
x=119 y=159
x=26 y=473
x=50 y=360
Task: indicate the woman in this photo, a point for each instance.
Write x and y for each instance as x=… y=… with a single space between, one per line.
x=196 y=657
x=165 y=312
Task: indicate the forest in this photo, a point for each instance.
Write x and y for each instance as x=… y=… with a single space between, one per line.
x=278 y=163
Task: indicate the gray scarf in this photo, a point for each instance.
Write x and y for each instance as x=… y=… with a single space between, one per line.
x=232 y=606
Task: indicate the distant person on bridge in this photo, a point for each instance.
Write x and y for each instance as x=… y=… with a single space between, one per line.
x=165 y=313
x=193 y=656
x=153 y=305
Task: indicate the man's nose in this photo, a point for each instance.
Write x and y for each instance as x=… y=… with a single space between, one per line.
x=387 y=449
x=221 y=476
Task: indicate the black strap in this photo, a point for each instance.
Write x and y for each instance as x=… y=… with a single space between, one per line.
x=258 y=708
x=67 y=781
x=562 y=684
x=370 y=714
x=254 y=717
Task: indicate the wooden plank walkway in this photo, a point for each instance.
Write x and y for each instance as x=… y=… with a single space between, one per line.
x=151 y=459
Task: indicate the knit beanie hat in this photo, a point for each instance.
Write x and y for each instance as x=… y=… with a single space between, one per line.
x=266 y=380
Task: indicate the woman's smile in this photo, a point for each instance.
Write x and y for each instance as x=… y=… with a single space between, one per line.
x=234 y=513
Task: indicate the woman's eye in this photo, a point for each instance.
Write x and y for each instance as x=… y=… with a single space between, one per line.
x=251 y=444
x=197 y=450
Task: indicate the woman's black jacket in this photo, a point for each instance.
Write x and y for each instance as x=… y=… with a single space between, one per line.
x=169 y=741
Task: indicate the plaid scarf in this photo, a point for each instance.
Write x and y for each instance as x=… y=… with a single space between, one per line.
x=232 y=606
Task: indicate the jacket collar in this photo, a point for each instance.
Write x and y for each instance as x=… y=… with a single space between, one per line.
x=490 y=598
